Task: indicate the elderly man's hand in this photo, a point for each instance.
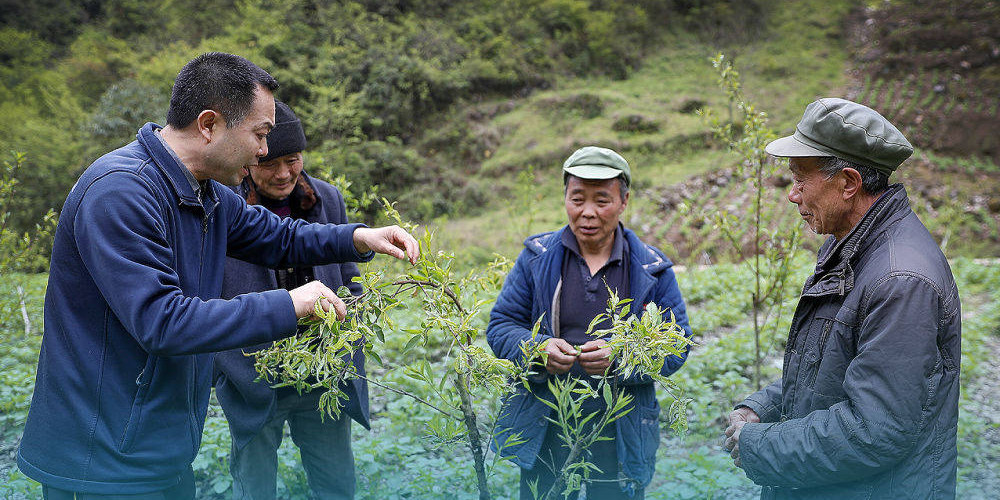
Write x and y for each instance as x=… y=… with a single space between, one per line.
x=304 y=299
x=737 y=419
x=594 y=357
x=560 y=356
x=390 y=240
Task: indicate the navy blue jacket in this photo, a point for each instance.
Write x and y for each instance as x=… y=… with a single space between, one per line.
x=132 y=315
x=247 y=403
x=527 y=295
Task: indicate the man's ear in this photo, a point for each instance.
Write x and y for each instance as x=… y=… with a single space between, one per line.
x=625 y=202
x=852 y=182
x=209 y=122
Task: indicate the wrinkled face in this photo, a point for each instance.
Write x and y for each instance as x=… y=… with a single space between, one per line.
x=593 y=208
x=233 y=150
x=819 y=199
x=276 y=177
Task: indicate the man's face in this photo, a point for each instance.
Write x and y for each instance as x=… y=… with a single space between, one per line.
x=233 y=150
x=820 y=199
x=276 y=177
x=594 y=207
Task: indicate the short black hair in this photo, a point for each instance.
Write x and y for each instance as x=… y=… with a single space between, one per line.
x=222 y=82
x=872 y=181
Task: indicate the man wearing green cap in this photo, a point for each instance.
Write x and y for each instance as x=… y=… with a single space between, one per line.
x=563 y=277
x=867 y=406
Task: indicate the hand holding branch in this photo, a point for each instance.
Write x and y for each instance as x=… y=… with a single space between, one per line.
x=305 y=298
x=594 y=357
x=560 y=356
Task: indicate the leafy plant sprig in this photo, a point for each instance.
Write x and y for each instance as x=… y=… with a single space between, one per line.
x=320 y=356
x=639 y=345
x=772 y=241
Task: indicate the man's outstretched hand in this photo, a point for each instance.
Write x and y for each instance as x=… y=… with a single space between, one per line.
x=390 y=240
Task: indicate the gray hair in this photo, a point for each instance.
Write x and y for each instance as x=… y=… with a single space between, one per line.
x=872 y=181
x=622 y=186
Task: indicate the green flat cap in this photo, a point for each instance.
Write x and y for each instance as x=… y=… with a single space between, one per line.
x=592 y=162
x=847 y=130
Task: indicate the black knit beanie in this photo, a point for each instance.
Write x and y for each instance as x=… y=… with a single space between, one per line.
x=287 y=136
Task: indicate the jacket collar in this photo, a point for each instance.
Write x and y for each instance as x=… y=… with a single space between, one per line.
x=644 y=263
x=171 y=169
x=834 y=274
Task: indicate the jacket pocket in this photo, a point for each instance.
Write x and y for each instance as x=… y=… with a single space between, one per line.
x=649 y=432
x=135 y=413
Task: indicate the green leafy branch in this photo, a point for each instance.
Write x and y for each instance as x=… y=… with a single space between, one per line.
x=639 y=345
x=320 y=356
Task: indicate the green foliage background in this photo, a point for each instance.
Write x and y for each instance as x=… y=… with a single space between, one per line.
x=366 y=77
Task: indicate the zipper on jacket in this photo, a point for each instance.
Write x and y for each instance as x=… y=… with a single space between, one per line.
x=556 y=306
x=824 y=334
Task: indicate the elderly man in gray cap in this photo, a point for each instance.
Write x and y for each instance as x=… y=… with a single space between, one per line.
x=563 y=278
x=867 y=406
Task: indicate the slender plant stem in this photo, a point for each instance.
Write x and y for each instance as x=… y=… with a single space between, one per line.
x=475 y=440
x=24 y=312
x=759 y=166
x=578 y=447
x=447 y=291
x=409 y=395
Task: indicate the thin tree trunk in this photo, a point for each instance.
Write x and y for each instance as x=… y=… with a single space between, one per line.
x=475 y=440
x=560 y=483
x=756 y=272
x=24 y=312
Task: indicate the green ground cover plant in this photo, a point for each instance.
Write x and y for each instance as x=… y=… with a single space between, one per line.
x=398 y=459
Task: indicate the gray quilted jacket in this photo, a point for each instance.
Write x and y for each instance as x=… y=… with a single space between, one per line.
x=867 y=406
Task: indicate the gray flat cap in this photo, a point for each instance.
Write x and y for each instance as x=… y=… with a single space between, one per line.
x=847 y=130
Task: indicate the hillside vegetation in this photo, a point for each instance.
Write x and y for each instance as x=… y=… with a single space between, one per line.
x=372 y=81
x=462 y=112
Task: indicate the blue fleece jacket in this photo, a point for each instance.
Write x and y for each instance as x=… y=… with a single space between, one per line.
x=528 y=294
x=132 y=315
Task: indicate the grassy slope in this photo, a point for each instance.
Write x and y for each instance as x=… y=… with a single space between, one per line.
x=799 y=56
x=783 y=70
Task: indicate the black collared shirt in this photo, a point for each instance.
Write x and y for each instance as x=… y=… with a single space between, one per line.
x=583 y=296
x=292 y=277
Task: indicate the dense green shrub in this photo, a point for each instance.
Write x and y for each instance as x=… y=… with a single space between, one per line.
x=366 y=77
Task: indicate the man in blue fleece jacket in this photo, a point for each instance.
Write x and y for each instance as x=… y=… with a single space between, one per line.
x=132 y=309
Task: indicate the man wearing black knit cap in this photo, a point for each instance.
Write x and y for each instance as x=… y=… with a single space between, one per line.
x=256 y=412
